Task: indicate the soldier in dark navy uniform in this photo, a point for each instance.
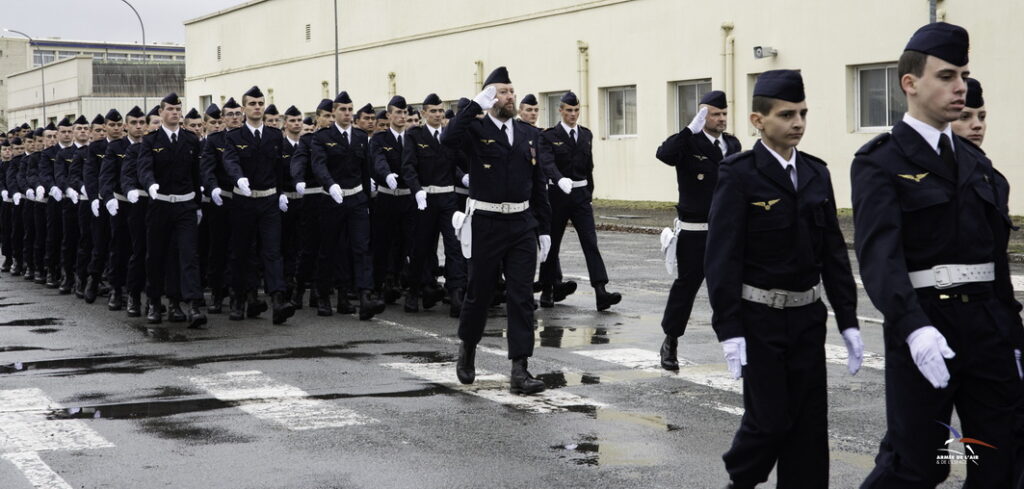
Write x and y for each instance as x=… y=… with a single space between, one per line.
x=96 y=131
x=113 y=194
x=114 y=124
x=6 y=203
x=567 y=158
x=695 y=152
x=194 y=124
x=314 y=205
x=253 y=160
x=394 y=217
x=26 y=179
x=70 y=230
x=39 y=174
x=168 y=167
x=16 y=194
x=366 y=119
x=773 y=239
x=49 y=167
x=931 y=234
x=291 y=238
x=508 y=218
x=217 y=187
x=430 y=173
x=138 y=206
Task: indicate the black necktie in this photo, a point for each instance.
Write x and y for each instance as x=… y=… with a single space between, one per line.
x=257 y=135
x=437 y=136
x=948 y=156
x=504 y=130
x=344 y=136
x=718 y=144
x=399 y=141
x=572 y=134
x=174 y=138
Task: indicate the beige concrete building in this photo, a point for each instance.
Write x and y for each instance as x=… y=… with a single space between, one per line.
x=637 y=65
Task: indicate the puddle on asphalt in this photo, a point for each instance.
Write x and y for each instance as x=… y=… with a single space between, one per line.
x=424 y=356
x=562 y=336
x=44 y=330
x=190 y=433
x=20 y=348
x=593 y=450
x=33 y=322
x=17 y=304
x=139 y=410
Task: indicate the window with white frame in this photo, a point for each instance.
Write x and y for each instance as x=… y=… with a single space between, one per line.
x=549 y=108
x=688 y=94
x=620 y=111
x=204 y=102
x=41 y=57
x=879 y=102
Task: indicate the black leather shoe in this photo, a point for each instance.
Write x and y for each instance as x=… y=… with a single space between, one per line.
x=344 y=305
x=455 y=301
x=668 y=353
x=6 y=267
x=522 y=381
x=237 y=309
x=390 y=292
x=563 y=290
x=323 y=305
x=368 y=306
x=606 y=299
x=133 y=307
x=216 y=303
x=104 y=288
x=65 y=285
x=255 y=306
x=546 y=299
x=313 y=298
x=465 y=367
x=53 y=281
x=432 y=295
x=153 y=313
x=30 y=275
x=297 y=296
x=196 y=318
x=40 y=278
x=91 y=289
x=174 y=312
x=116 y=301
x=283 y=309
x=412 y=301
x=17 y=270
x=79 y=288
x=537 y=287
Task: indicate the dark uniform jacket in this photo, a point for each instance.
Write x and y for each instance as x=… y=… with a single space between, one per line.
x=765 y=234
x=426 y=161
x=911 y=214
x=110 y=168
x=386 y=157
x=91 y=169
x=130 y=170
x=47 y=162
x=301 y=167
x=212 y=164
x=561 y=156
x=335 y=161
x=696 y=161
x=175 y=166
x=261 y=163
x=62 y=167
x=76 y=172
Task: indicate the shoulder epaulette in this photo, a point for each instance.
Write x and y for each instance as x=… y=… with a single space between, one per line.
x=874 y=143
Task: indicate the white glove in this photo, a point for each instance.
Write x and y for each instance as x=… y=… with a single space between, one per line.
x=81 y=191
x=30 y=194
x=854 y=349
x=216 y=198
x=373 y=187
x=335 y=191
x=133 y=196
x=112 y=207
x=300 y=188
x=243 y=187
x=697 y=124
x=565 y=184
x=56 y=194
x=72 y=195
x=199 y=216
x=458 y=218
x=545 y=247
x=40 y=193
x=392 y=181
x=465 y=180
x=1020 y=370
x=735 y=350
x=928 y=348
x=17 y=198
x=421 y=199
x=282 y=203
x=95 y=207
x=487 y=98
x=4 y=194
x=152 y=190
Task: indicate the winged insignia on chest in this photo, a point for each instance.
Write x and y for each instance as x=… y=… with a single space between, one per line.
x=157 y=150
x=387 y=148
x=487 y=141
x=915 y=178
x=700 y=157
x=557 y=143
x=241 y=146
x=331 y=145
x=767 y=206
x=423 y=146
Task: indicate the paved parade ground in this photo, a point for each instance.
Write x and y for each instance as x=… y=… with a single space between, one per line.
x=92 y=399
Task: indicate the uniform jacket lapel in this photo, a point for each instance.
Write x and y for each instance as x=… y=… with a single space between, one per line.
x=918 y=151
x=964 y=161
x=805 y=172
x=770 y=167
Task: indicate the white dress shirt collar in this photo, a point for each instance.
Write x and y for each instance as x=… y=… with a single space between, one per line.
x=782 y=161
x=508 y=123
x=567 y=128
x=170 y=132
x=396 y=134
x=254 y=129
x=929 y=133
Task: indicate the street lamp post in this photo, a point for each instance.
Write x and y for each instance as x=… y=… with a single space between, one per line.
x=337 y=88
x=145 y=59
x=42 y=69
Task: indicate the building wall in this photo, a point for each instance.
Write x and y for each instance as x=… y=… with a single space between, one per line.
x=434 y=47
x=14 y=57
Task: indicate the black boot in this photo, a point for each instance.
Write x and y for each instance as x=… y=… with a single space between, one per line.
x=563 y=290
x=390 y=292
x=196 y=318
x=344 y=305
x=546 y=299
x=283 y=309
x=465 y=367
x=40 y=278
x=237 y=308
x=368 y=306
x=30 y=275
x=323 y=304
x=153 y=312
x=6 y=267
x=104 y=288
x=53 y=280
x=313 y=298
x=91 y=288
x=668 y=353
x=116 y=302
x=297 y=296
x=431 y=295
x=412 y=300
x=255 y=305
x=455 y=300
x=174 y=312
x=133 y=308
x=522 y=381
x=606 y=299
x=79 y=287
x=65 y=285
x=217 y=303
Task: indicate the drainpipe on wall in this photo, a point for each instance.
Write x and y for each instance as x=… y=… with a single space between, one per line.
x=478 y=76
x=729 y=71
x=931 y=10
x=583 y=66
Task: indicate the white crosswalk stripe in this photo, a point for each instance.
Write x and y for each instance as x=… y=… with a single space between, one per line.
x=40 y=475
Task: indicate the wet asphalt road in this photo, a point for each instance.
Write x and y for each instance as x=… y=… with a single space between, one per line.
x=339 y=403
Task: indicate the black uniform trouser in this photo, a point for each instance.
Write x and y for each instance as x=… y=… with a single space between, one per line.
x=120 y=246
x=5 y=229
x=253 y=219
x=39 y=247
x=218 y=217
x=86 y=222
x=690 y=247
x=346 y=229
x=69 y=237
x=204 y=244
x=18 y=233
x=54 y=230
x=984 y=387
x=574 y=207
x=314 y=211
x=784 y=397
x=394 y=226
x=512 y=243
x=28 y=223
x=291 y=239
x=100 y=243
x=167 y=223
x=135 y=279
x=436 y=220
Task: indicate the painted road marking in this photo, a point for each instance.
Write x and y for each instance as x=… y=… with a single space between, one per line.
x=266 y=398
x=40 y=475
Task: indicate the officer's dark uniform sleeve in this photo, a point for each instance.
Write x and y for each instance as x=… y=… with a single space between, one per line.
x=319 y=162
x=539 y=197
x=196 y=166
x=46 y=169
x=129 y=169
x=107 y=174
x=546 y=158
x=146 y=175
x=672 y=150
x=90 y=174
x=379 y=162
x=231 y=164
x=727 y=224
x=457 y=134
x=878 y=223
x=410 y=163
x=208 y=165
x=300 y=158
x=835 y=271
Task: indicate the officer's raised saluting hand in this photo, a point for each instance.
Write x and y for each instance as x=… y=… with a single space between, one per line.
x=697 y=124
x=487 y=98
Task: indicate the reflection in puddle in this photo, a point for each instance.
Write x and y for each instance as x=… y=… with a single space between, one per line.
x=44 y=330
x=617 y=446
x=562 y=336
x=16 y=304
x=20 y=348
x=33 y=322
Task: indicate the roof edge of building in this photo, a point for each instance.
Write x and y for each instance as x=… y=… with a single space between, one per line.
x=218 y=13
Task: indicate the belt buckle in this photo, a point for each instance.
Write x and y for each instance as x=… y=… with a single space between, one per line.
x=943 y=277
x=778 y=299
x=506 y=208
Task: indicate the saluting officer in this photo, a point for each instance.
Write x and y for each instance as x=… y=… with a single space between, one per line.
x=169 y=169
x=394 y=217
x=252 y=156
x=773 y=238
x=113 y=193
x=695 y=152
x=930 y=239
x=567 y=158
x=508 y=215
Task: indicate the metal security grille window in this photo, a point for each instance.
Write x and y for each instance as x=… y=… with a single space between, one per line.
x=620 y=110
x=550 y=107
x=688 y=94
x=879 y=100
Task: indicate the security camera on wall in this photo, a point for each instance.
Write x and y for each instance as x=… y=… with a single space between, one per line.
x=764 y=52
